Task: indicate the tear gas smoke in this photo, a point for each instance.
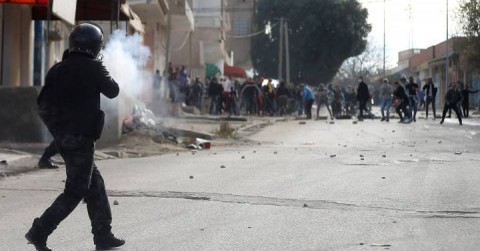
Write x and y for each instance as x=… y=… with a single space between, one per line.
x=125 y=57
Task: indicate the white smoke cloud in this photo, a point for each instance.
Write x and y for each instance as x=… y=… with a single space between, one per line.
x=125 y=57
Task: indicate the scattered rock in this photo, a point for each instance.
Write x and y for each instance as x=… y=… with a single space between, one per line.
x=361 y=156
x=393 y=130
x=243 y=157
x=440 y=142
x=178 y=154
x=305 y=205
x=249 y=227
x=275 y=152
x=384 y=156
x=394 y=221
x=333 y=156
x=191 y=177
x=254 y=151
x=222 y=166
x=63 y=181
x=458 y=153
x=354 y=122
x=331 y=122
x=302 y=122
x=383 y=178
x=361 y=243
x=202 y=229
x=3 y=162
x=115 y=202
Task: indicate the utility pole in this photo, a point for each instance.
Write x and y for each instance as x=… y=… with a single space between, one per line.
x=384 y=44
x=287 y=54
x=446 y=56
x=280 y=51
x=169 y=35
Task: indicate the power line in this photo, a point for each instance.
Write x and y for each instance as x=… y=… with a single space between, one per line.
x=253 y=34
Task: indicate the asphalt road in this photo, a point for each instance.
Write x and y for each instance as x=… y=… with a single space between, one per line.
x=317 y=186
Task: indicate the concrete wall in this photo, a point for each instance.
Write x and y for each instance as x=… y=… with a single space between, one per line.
x=19 y=121
x=17 y=61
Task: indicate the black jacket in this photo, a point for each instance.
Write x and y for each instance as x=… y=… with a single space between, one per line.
x=362 y=92
x=69 y=102
x=401 y=94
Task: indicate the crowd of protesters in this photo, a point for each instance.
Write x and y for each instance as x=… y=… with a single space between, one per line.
x=257 y=96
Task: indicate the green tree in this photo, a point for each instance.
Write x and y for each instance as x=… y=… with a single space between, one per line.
x=322 y=34
x=469 y=18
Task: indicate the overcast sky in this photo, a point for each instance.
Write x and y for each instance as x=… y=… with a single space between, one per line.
x=426 y=28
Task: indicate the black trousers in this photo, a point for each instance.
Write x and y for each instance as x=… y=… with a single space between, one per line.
x=50 y=151
x=466 y=106
x=453 y=107
x=362 y=107
x=84 y=181
x=430 y=100
x=402 y=108
x=308 y=108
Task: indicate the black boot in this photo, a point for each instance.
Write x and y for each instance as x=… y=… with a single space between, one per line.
x=106 y=242
x=46 y=164
x=37 y=237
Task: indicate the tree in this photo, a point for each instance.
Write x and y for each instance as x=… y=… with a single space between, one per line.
x=369 y=65
x=469 y=18
x=322 y=34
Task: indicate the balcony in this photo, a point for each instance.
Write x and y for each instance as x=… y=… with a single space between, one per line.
x=182 y=16
x=151 y=11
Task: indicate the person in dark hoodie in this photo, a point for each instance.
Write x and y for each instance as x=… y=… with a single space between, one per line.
x=400 y=101
x=466 y=91
x=69 y=105
x=452 y=97
x=363 y=96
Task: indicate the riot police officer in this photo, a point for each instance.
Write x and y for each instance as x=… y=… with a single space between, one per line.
x=69 y=105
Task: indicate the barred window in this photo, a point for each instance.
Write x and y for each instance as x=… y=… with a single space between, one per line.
x=241 y=26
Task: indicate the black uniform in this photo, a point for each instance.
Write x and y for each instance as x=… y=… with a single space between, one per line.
x=69 y=105
x=401 y=101
x=452 y=97
x=363 y=95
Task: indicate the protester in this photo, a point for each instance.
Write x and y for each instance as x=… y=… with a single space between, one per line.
x=452 y=97
x=363 y=96
x=400 y=101
x=308 y=98
x=386 y=92
x=321 y=96
x=466 y=102
x=430 y=92
x=412 y=89
x=196 y=93
x=69 y=105
x=282 y=94
x=215 y=90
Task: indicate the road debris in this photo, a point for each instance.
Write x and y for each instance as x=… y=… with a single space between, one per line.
x=333 y=156
x=222 y=166
x=458 y=153
x=115 y=202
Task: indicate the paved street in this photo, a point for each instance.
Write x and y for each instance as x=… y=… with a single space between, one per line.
x=317 y=186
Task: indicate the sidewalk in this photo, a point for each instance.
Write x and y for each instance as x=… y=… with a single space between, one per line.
x=17 y=158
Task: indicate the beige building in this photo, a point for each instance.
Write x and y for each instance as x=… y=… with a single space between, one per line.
x=30 y=45
x=206 y=44
x=238 y=37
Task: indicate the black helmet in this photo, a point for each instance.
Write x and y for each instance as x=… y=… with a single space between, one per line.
x=86 y=38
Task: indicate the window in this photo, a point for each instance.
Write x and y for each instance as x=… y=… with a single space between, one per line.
x=241 y=26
